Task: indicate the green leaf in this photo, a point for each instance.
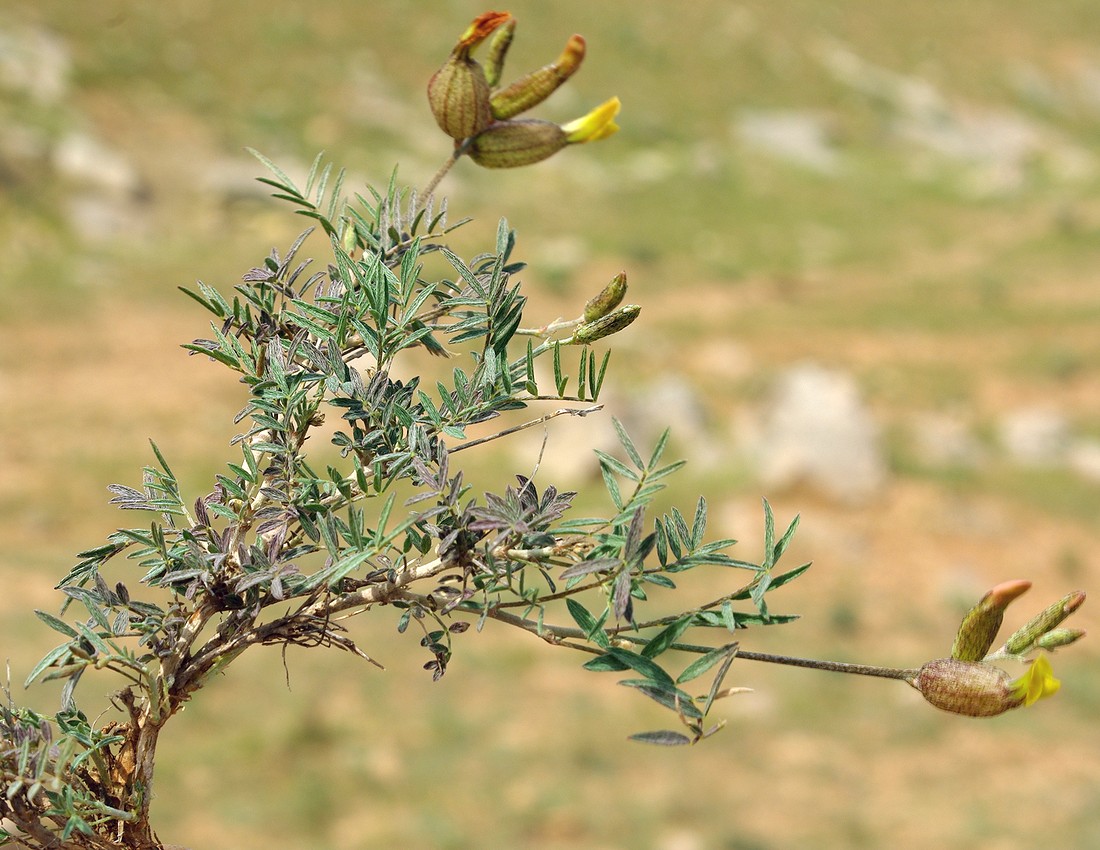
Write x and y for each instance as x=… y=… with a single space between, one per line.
x=612 y=486
x=769 y=536
x=701 y=665
x=561 y=381
x=659 y=449
x=56 y=624
x=699 y=525
x=287 y=183
x=505 y=236
x=213 y=353
x=597 y=381
x=643 y=665
x=617 y=466
x=719 y=677
x=581 y=383
x=465 y=272
x=605 y=664
x=592 y=627
x=671 y=698
x=791 y=575
x=727 y=616
x=682 y=532
x=47 y=661
x=662 y=738
x=785 y=540
x=628 y=444
x=101 y=646
x=667 y=636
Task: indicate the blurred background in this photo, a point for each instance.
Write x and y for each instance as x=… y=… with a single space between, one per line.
x=866 y=239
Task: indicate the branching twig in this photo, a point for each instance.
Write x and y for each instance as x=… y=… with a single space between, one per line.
x=565 y=411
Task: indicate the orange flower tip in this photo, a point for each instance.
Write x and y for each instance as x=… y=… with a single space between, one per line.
x=597 y=124
x=1007 y=591
x=1075 y=601
x=481 y=28
x=572 y=56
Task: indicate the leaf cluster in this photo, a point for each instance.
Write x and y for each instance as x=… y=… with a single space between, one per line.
x=290 y=539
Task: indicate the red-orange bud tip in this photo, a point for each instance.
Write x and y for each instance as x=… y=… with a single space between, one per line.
x=1007 y=591
x=481 y=28
x=572 y=55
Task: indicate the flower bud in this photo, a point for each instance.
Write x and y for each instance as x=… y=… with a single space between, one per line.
x=981 y=623
x=535 y=87
x=1056 y=638
x=497 y=50
x=1029 y=634
x=607 y=300
x=607 y=325
x=458 y=93
x=510 y=144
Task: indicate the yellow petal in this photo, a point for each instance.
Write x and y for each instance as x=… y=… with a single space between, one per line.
x=1037 y=683
x=597 y=124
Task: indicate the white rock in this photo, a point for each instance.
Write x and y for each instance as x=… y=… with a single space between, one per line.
x=795 y=136
x=941 y=440
x=817 y=431
x=34 y=62
x=1034 y=436
x=1083 y=458
x=992 y=151
x=101 y=218
x=84 y=159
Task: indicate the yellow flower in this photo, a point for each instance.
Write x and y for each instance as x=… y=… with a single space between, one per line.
x=480 y=117
x=1037 y=683
x=597 y=124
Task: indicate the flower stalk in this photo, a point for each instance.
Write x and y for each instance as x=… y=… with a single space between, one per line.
x=967 y=683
